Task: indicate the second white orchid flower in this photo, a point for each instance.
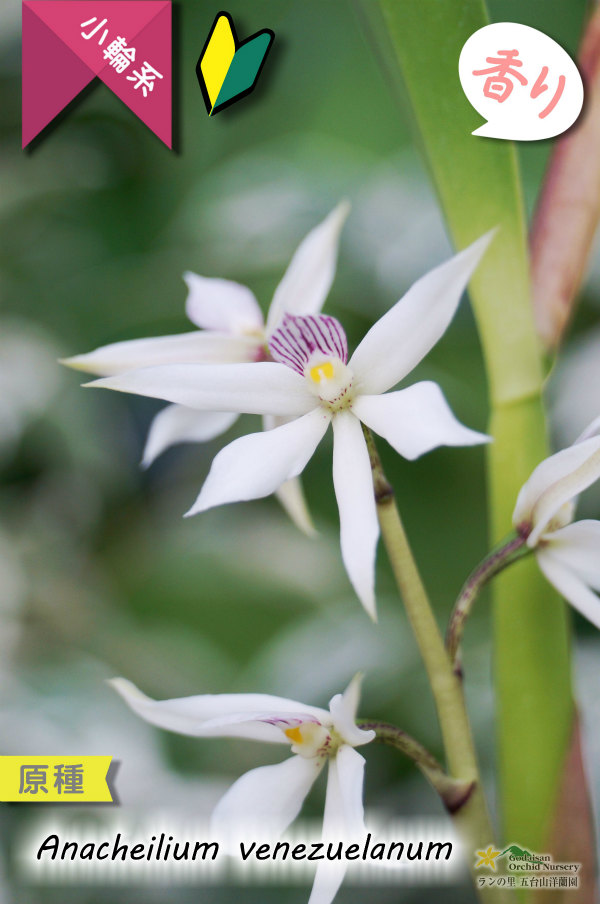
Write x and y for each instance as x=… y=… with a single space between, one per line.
x=269 y=798
x=312 y=384
x=231 y=330
x=567 y=552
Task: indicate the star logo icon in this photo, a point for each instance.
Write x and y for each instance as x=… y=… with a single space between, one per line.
x=487 y=858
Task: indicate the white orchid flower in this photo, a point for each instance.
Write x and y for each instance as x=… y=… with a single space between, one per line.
x=312 y=381
x=567 y=552
x=232 y=330
x=269 y=798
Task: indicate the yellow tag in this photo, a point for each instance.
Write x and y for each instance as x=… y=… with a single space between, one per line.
x=54 y=779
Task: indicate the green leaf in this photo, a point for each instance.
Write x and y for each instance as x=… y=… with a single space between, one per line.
x=478 y=185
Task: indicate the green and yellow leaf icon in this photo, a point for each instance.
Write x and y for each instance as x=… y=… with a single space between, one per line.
x=228 y=70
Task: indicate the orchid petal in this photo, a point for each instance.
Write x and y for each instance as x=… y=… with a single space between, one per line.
x=308 y=278
x=263 y=388
x=350 y=770
x=351 y=696
x=188 y=715
x=578 y=548
x=297 y=340
x=343 y=709
x=591 y=430
x=256 y=465
x=343 y=819
x=569 y=584
x=178 y=424
x=359 y=529
x=220 y=304
x=402 y=337
x=194 y=347
x=415 y=420
x=554 y=482
x=265 y=800
x=290 y=494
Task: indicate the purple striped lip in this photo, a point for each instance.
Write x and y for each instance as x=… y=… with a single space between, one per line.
x=298 y=338
x=288 y=720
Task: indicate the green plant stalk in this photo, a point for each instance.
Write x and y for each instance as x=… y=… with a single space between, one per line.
x=454 y=793
x=532 y=646
x=503 y=555
x=478 y=186
x=472 y=819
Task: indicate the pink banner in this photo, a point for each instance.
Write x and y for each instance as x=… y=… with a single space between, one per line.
x=125 y=43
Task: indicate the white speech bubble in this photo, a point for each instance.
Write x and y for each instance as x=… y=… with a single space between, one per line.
x=521 y=81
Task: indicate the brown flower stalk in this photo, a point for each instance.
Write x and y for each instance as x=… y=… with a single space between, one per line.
x=569 y=206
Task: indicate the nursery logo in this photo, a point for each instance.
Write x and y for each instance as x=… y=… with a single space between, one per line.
x=228 y=70
x=124 y=43
x=521 y=81
x=487 y=858
x=521 y=868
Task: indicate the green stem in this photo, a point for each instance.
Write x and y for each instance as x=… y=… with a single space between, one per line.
x=531 y=646
x=454 y=793
x=472 y=819
x=507 y=552
x=478 y=184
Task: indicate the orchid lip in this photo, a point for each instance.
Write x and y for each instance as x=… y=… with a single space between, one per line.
x=331 y=380
x=290 y=721
x=317 y=349
x=312 y=739
x=308 y=736
x=300 y=340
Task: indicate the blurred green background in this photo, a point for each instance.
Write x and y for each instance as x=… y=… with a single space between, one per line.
x=99 y=574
